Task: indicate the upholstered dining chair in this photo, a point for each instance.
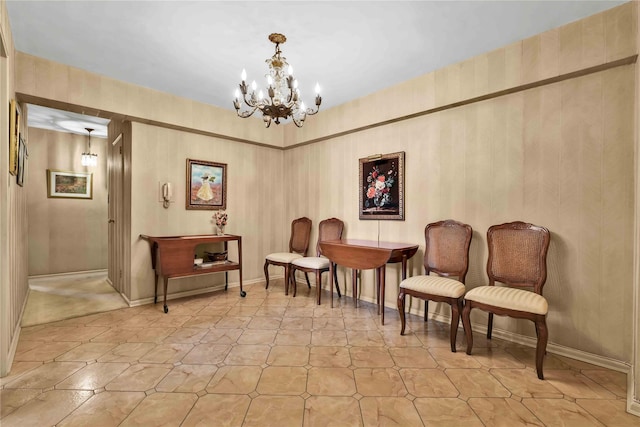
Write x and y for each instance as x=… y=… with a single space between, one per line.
x=447 y=255
x=517 y=259
x=298 y=246
x=329 y=229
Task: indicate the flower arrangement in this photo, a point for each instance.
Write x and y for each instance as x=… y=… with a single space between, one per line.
x=220 y=217
x=378 y=187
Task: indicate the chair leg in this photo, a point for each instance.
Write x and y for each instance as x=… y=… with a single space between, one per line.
x=426 y=310
x=319 y=284
x=466 y=322
x=335 y=277
x=541 y=346
x=266 y=273
x=456 y=307
x=306 y=276
x=401 y=297
x=490 y=326
x=292 y=280
x=287 y=271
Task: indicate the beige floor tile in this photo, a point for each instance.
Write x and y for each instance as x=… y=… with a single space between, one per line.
x=283 y=381
x=93 y=376
x=233 y=322
x=389 y=411
x=242 y=311
x=213 y=310
x=328 y=323
x=154 y=335
x=202 y=322
x=271 y=311
x=494 y=412
x=107 y=409
x=222 y=336
x=492 y=357
x=166 y=353
x=140 y=377
x=185 y=336
x=331 y=382
x=257 y=336
x=275 y=411
x=218 y=410
x=560 y=413
x=330 y=357
x=293 y=337
x=248 y=355
x=476 y=383
x=235 y=380
x=301 y=312
x=187 y=379
x=127 y=352
x=45 y=351
x=86 y=352
x=379 y=382
x=47 y=409
x=161 y=409
x=609 y=412
x=11 y=399
x=47 y=375
x=412 y=357
x=527 y=355
x=18 y=369
x=371 y=357
x=394 y=339
x=328 y=338
x=296 y=323
x=446 y=412
x=288 y=356
x=264 y=323
x=116 y=335
x=321 y=411
x=459 y=359
x=365 y=338
x=208 y=353
x=615 y=382
x=428 y=383
x=360 y=324
x=576 y=385
x=525 y=383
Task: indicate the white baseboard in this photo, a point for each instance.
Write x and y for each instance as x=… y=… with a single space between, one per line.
x=143 y=301
x=70 y=275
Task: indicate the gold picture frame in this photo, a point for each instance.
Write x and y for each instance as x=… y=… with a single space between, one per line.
x=14 y=135
x=206 y=185
x=69 y=185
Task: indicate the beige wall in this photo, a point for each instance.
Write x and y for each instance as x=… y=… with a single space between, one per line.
x=558 y=154
x=65 y=235
x=13 y=223
x=255 y=201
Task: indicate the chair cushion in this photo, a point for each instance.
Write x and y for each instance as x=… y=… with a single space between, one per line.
x=510 y=298
x=434 y=285
x=317 y=263
x=283 y=257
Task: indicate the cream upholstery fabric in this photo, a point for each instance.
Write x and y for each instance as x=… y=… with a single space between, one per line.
x=511 y=298
x=316 y=263
x=434 y=285
x=284 y=257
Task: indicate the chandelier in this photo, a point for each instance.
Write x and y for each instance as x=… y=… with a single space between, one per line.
x=283 y=97
x=89 y=158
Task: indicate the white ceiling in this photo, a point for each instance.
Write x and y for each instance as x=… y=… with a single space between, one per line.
x=197 y=49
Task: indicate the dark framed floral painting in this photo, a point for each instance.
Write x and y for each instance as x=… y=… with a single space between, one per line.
x=382 y=186
x=206 y=185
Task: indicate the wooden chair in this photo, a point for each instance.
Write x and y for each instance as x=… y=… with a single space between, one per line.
x=298 y=246
x=517 y=258
x=446 y=254
x=329 y=229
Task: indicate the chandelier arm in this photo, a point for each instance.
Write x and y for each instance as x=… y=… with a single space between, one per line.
x=246 y=113
x=297 y=122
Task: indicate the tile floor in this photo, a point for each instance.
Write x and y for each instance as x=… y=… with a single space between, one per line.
x=273 y=360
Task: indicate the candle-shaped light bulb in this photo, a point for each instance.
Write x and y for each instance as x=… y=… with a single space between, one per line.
x=260 y=95
x=295 y=84
x=243 y=75
x=290 y=70
x=302 y=106
x=269 y=80
x=253 y=85
x=317 y=89
x=237 y=93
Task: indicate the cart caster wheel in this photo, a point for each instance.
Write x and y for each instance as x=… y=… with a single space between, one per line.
x=166 y=309
x=243 y=294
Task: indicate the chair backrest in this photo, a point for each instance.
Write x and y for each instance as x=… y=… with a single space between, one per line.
x=447 y=248
x=300 y=235
x=518 y=255
x=329 y=229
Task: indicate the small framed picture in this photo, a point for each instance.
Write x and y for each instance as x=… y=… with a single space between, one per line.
x=14 y=135
x=69 y=185
x=206 y=185
x=22 y=161
x=382 y=186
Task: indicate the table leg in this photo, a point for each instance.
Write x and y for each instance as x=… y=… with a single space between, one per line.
x=155 y=294
x=382 y=279
x=404 y=267
x=166 y=282
x=354 y=283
